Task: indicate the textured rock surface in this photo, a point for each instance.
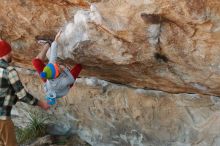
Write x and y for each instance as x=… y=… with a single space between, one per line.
x=114 y=43
x=59 y=141
x=107 y=114
x=166 y=45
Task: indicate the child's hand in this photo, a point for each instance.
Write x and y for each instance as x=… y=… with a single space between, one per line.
x=43 y=105
x=58 y=35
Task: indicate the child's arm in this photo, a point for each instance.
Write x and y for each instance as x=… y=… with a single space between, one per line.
x=76 y=70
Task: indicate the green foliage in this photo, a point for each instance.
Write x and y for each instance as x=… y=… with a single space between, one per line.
x=36 y=128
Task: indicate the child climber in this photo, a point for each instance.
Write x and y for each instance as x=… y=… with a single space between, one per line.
x=57 y=81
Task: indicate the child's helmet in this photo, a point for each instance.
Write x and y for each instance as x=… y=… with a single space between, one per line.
x=51 y=71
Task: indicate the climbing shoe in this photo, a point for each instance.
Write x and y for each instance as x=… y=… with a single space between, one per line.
x=43 y=40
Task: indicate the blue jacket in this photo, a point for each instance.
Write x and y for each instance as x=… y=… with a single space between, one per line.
x=60 y=86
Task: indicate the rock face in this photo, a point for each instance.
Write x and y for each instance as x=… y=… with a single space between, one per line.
x=106 y=114
x=168 y=45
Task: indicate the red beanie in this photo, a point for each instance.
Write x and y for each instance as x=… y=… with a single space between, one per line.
x=5 y=48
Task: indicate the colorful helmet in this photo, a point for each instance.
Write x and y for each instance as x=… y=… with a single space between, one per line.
x=51 y=71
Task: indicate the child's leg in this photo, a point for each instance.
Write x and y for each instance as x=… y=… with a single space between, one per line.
x=53 y=52
x=76 y=70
